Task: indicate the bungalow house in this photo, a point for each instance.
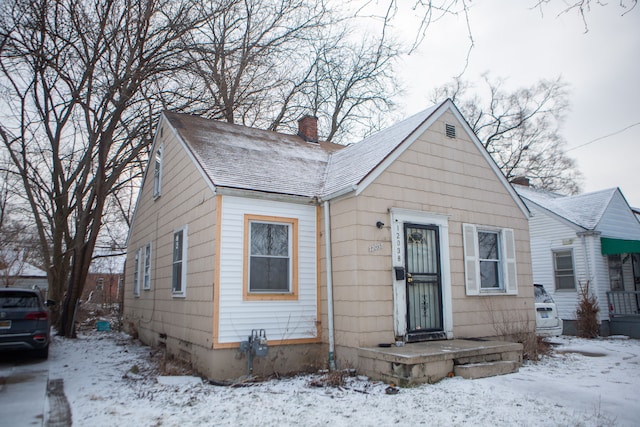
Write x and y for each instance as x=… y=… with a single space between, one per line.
x=332 y=253
x=591 y=238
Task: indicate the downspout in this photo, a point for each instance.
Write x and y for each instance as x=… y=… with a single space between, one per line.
x=329 y=273
x=588 y=260
x=586 y=255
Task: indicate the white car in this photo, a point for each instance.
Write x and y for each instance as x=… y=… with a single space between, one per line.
x=548 y=324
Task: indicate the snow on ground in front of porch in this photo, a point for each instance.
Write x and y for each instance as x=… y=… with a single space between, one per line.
x=110 y=380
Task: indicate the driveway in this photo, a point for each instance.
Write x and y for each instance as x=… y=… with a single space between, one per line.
x=26 y=396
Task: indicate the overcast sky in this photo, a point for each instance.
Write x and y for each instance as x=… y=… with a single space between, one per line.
x=516 y=42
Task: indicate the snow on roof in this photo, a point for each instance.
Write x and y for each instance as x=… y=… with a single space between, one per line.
x=23 y=269
x=585 y=210
x=246 y=158
x=240 y=157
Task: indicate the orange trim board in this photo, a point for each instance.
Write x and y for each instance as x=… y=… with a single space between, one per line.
x=272 y=343
x=293 y=295
x=216 y=273
x=318 y=276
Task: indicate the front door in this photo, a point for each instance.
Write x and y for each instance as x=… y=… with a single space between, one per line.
x=423 y=283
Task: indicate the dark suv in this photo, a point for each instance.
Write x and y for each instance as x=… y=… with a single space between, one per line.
x=24 y=321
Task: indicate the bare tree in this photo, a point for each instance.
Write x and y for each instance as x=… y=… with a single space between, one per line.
x=583 y=7
x=354 y=82
x=80 y=83
x=83 y=83
x=520 y=129
x=265 y=64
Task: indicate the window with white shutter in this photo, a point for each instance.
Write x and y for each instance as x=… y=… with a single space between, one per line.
x=489 y=260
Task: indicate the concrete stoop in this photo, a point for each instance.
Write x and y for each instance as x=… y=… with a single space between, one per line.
x=429 y=362
x=474 y=371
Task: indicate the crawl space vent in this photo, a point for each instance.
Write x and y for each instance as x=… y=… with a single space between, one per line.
x=450 y=130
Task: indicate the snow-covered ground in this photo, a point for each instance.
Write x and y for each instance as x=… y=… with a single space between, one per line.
x=111 y=380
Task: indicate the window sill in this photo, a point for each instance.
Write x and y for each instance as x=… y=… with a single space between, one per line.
x=255 y=296
x=493 y=292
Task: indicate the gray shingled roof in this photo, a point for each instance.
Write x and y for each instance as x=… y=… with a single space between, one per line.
x=252 y=159
x=585 y=210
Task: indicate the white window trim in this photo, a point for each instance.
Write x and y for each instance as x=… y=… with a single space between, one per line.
x=508 y=272
x=158 y=156
x=573 y=267
x=183 y=279
x=146 y=267
x=136 y=273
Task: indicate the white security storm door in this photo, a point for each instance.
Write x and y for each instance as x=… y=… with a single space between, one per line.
x=423 y=283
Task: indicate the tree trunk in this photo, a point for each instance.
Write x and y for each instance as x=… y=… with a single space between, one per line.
x=77 y=278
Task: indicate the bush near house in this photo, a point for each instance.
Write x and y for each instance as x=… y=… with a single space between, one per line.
x=587 y=313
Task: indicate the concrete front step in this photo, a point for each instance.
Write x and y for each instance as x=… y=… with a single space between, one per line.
x=474 y=371
x=429 y=362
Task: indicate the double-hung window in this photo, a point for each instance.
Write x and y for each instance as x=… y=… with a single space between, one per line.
x=489 y=252
x=179 y=266
x=270 y=257
x=136 y=273
x=615 y=272
x=157 y=172
x=563 y=270
x=489 y=260
x=146 y=280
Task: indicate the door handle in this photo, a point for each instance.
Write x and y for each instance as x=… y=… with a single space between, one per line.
x=409 y=278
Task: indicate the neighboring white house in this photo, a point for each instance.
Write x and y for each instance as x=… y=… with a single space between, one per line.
x=23 y=275
x=589 y=238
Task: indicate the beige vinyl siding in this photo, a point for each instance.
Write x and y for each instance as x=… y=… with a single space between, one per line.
x=282 y=319
x=186 y=199
x=437 y=175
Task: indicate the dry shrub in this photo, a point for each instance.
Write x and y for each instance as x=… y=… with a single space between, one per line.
x=330 y=379
x=534 y=346
x=516 y=326
x=587 y=313
x=169 y=365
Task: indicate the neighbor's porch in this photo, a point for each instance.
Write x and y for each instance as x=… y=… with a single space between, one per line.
x=624 y=313
x=431 y=361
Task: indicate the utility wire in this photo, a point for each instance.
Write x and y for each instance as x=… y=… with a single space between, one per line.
x=603 y=137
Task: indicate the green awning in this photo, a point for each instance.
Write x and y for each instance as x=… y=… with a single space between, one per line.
x=619 y=246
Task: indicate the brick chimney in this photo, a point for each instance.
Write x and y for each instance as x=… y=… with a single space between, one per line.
x=521 y=180
x=308 y=128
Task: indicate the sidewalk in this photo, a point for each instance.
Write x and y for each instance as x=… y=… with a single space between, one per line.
x=23 y=395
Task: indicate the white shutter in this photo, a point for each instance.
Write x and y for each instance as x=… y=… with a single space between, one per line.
x=471 y=262
x=509 y=262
